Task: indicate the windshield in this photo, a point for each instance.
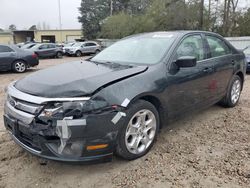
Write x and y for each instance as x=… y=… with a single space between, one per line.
x=35 y=46
x=76 y=44
x=27 y=46
x=144 y=49
x=69 y=44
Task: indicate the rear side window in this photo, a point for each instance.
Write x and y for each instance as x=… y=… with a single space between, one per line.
x=45 y=46
x=217 y=46
x=191 y=46
x=51 y=45
x=90 y=44
x=4 y=49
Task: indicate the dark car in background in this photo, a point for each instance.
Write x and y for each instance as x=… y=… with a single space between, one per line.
x=16 y=59
x=246 y=50
x=117 y=101
x=47 y=50
x=248 y=63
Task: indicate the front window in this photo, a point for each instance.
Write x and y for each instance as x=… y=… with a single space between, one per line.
x=4 y=49
x=191 y=46
x=145 y=49
x=77 y=45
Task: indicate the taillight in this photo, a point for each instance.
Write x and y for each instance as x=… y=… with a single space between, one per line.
x=34 y=55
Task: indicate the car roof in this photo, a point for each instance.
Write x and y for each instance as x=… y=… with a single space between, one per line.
x=89 y=41
x=176 y=32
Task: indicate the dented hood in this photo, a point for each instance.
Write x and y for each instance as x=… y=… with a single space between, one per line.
x=74 y=79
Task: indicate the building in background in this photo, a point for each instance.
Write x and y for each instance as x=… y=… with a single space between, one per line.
x=6 y=38
x=58 y=36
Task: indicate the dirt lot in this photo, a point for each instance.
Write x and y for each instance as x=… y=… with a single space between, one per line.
x=208 y=149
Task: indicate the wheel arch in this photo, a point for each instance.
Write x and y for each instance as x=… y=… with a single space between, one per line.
x=241 y=75
x=19 y=59
x=157 y=104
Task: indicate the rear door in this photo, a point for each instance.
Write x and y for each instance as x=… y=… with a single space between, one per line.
x=7 y=56
x=51 y=50
x=43 y=50
x=92 y=47
x=191 y=87
x=89 y=47
x=221 y=55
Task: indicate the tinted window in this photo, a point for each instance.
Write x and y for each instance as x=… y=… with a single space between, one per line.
x=45 y=46
x=217 y=46
x=5 y=49
x=191 y=46
x=51 y=46
x=90 y=44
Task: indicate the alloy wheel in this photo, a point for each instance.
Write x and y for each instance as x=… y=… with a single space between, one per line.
x=20 y=66
x=140 y=131
x=235 y=91
x=78 y=53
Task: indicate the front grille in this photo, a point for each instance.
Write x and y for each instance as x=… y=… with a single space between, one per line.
x=29 y=141
x=24 y=106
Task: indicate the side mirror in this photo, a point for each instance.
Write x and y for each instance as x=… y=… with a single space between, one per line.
x=186 y=61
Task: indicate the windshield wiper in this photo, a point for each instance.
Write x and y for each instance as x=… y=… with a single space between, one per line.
x=113 y=64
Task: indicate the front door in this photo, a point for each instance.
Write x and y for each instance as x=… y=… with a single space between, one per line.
x=190 y=87
x=7 y=57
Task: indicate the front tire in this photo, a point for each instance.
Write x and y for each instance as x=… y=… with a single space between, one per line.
x=97 y=52
x=78 y=53
x=233 y=94
x=19 y=66
x=139 y=132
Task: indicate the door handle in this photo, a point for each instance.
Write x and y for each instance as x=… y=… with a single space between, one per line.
x=208 y=70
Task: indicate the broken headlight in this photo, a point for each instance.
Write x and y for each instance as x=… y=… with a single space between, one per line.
x=74 y=109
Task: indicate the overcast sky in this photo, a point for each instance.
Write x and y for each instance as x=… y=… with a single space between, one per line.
x=25 y=13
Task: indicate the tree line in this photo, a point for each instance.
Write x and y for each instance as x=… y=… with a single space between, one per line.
x=120 y=18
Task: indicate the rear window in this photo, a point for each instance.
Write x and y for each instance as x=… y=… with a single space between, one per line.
x=217 y=46
x=4 y=49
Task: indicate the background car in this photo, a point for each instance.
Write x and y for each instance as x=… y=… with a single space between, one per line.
x=45 y=50
x=80 y=48
x=246 y=50
x=243 y=46
x=16 y=59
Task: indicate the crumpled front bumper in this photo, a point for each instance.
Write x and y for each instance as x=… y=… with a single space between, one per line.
x=42 y=140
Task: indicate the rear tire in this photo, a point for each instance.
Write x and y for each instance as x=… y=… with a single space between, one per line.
x=19 y=66
x=59 y=55
x=233 y=94
x=139 y=131
x=97 y=52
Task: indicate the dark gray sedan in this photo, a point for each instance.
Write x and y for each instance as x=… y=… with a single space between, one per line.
x=46 y=50
x=117 y=101
x=16 y=59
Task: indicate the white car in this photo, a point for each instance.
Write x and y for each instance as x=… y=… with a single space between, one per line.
x=80 y=48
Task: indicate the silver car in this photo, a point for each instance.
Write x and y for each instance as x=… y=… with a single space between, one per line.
x=80 y=48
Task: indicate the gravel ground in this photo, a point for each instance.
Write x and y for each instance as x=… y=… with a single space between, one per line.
x=207 y=149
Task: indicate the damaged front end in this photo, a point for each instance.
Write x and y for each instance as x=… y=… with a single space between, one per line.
x=67 y=129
